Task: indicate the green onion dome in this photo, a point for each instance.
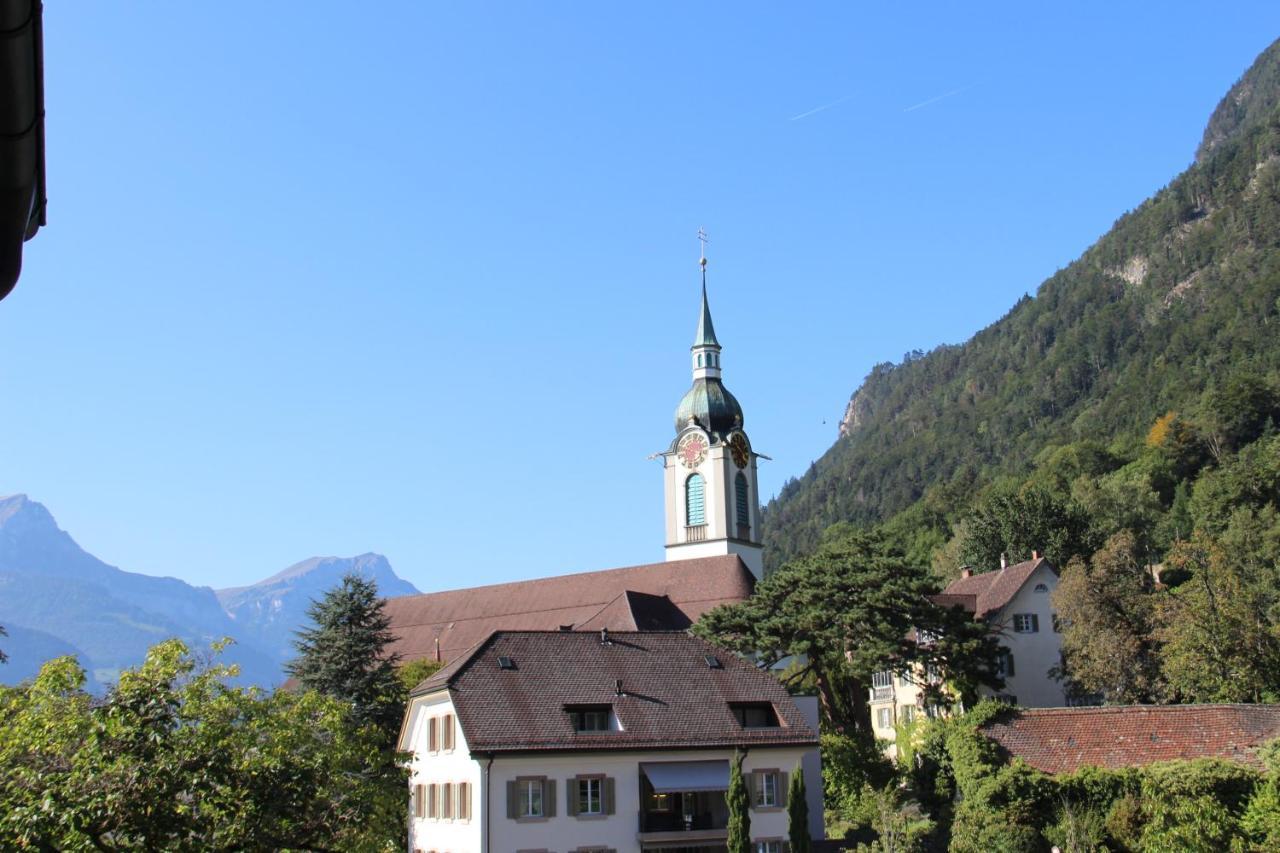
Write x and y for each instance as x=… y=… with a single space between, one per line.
x=711 y=405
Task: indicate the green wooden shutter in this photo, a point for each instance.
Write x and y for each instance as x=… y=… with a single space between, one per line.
x=694 y=501
x=571 y=797
x=741 y=491
x=548 y=798
x=513 y=806
x=606 y=791
x=782 y=789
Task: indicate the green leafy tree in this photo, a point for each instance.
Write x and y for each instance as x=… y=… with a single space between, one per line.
x=1219 y=640
x=343 y=654
x=738 y=799
x=417 y=671
x=798 y=813
x=1238 y=411
x=173 y=758
x=852 y=609
x=1031 y=519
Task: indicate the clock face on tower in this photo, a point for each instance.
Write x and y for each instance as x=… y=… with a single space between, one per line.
x=739 y=450
x=692 y=449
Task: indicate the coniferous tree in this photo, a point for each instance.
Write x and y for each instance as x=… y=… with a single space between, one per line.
x=343 y=654
x=798 y=813
x=739 y=801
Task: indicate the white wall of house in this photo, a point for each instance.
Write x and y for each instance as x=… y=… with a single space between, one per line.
x=563 y=832
x=1034 y=654
x=620 y=830
x=441 y=767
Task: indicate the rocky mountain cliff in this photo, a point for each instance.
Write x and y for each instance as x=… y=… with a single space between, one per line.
x=1181 y=291
x=56 y=599
x=269 y=611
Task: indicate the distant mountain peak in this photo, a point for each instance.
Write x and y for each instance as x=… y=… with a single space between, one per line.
x=1248 y=102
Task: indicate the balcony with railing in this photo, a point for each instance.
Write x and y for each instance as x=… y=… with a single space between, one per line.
x=672 y=814
x=695 y=533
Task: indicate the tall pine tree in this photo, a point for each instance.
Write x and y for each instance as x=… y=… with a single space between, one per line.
x=739 y=802
x=798 y=813
x=343 y=654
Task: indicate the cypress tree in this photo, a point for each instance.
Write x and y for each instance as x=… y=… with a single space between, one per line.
x=739 y=801
x=343 y=654
x=798 y=813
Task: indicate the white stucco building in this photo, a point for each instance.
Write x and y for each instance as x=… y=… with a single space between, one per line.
x=563 y=741
x=1016 y=601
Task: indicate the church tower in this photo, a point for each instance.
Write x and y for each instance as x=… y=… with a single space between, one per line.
x=709 y=471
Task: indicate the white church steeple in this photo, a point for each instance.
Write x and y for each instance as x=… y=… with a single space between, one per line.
x=712 y=500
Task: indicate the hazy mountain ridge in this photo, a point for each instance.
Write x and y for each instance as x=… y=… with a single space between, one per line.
x=56 y=598
x=1180 y=291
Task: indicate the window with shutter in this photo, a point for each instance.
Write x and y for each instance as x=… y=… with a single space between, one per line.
x=741 y=493
x=446 y=732
x=433 y=734
x=433 y=801
x=464 y=801
x=766 y=789
x=419 y=801
x=694 y=501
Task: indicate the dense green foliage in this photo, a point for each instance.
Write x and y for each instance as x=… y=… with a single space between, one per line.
x=415 y=672
x=173 y=758
x=738 y=799
x=854 y=608
x=961 y=794
x=342 y=654
x=1182 y=293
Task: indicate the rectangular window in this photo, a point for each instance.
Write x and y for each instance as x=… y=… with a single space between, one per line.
x=433 y=801
x=590 y=796
x=754 y=715
x=1026 y=623
x=462 y=801
x=882 y=679
x=433 y=734
x=446 y=732
x=766 y=789
x=1006 y=669
x=446 y=802
x=419 y=800
x=768 y=847
x=884 y=718
x=529 y=795
x=590 y=718
x=907 y=713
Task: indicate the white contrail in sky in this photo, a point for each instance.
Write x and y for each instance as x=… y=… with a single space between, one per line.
x=808 y=113
x=937 y=98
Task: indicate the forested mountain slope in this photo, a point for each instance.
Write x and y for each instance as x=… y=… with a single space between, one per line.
x=1180 y=292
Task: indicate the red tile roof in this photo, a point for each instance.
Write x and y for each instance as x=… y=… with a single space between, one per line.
x=990 y=591
x=660 y=595
x=1060 y=740
x=671 y=698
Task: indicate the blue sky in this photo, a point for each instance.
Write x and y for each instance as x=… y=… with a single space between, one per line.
x=423 y=281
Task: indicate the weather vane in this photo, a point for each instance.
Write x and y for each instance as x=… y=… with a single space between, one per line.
x=702 y=238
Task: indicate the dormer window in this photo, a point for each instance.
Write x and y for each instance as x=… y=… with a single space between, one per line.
x=590 y=719
x=1042 y=587
x=754 y=715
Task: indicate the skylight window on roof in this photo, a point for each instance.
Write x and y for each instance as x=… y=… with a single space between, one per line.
x=505 y=662
x=713 y=662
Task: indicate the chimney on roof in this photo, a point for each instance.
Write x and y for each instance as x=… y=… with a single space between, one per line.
x=966 y=571
x=604 y=636
x=1035 y=555
x=1004 y=561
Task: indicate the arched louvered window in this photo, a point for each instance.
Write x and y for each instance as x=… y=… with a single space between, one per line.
x=743 y=493
x=695 y=509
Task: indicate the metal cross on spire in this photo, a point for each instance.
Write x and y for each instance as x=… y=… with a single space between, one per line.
x=702 y=238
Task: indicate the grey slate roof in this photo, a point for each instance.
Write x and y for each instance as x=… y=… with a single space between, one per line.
x=671 y=698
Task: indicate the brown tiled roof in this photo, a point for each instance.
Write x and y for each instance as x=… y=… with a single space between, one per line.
x=671 y=698
x=993 y=590
x=1060 y=740
x=463 y=617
